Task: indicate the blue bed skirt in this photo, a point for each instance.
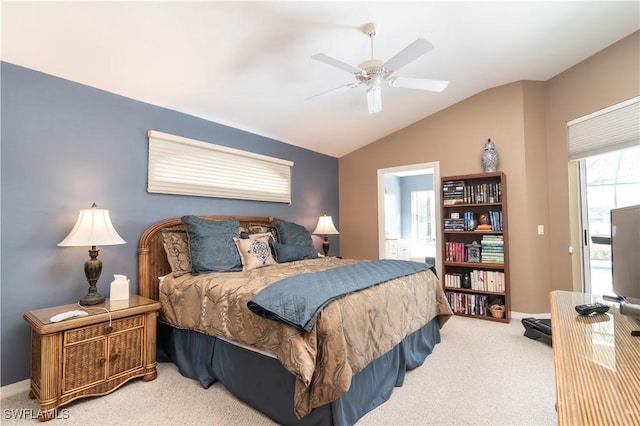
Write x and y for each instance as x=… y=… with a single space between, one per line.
x=263 y=383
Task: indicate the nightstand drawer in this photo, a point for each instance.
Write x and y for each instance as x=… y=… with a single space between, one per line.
x=102 y=329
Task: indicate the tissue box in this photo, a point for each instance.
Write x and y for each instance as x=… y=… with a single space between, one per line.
x=119 y=290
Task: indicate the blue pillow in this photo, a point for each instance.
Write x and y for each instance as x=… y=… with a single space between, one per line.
x=211 y=245
x=292 y=233
x=296 y=236
x=290 y=252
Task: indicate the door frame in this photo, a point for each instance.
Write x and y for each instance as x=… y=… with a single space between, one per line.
x=585 y=243
x=435 y=166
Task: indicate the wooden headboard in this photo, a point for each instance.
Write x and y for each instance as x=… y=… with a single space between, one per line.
x=152 y=258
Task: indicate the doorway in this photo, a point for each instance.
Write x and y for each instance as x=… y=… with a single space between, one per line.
x=409 y=212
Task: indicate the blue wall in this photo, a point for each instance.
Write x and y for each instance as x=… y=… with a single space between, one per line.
x=65 y=146
x=392 y=213
x=398 y=201
x=409 y=184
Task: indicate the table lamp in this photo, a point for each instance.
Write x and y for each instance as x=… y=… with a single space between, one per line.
x=93 y=228
x=325 y=227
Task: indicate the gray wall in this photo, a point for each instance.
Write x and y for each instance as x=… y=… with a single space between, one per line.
x=65 y=146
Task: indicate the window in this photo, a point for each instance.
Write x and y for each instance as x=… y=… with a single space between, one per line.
x=184 y=166
x=422 y=214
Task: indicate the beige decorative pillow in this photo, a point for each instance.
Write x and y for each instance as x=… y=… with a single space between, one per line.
x=253 y=229
x=176 y=245
x=254 y=252
x=266 y=235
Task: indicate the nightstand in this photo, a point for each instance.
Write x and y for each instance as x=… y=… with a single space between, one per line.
x=92 y=355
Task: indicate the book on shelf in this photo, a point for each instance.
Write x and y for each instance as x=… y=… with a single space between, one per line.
x=453 y=280
x=457 y=192
x=495 y=217
x=483 y=193
x=453 y=192
x=492 y=249
x=480 y=280
x=470 y=221
x=455 y=251
x=469 y=304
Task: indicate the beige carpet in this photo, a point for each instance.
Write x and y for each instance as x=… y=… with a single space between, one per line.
x=483 y=373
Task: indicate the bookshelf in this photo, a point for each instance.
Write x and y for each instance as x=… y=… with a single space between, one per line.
x=475 y=245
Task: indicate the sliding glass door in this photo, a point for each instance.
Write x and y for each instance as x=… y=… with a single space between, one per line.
x=607 y=181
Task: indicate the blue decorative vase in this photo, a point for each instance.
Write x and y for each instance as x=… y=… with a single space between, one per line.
x=490 y=157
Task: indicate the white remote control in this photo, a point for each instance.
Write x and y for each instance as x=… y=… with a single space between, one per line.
x=66 y=315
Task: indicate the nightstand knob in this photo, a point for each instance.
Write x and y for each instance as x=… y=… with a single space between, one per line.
x=102 y=360
x=114 y=357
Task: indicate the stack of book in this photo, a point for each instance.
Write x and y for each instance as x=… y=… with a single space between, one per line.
x=492 y=247
x=453 y=192
x=454 y=224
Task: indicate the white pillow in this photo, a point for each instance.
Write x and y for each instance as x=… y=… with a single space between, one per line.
x=254 y=251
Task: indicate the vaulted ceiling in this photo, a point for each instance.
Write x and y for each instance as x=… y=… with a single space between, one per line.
x=248 y=64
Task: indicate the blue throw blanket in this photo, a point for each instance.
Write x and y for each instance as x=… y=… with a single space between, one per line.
x=298 y=300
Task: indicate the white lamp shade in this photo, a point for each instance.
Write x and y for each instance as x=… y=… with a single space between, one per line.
x=325 y=226
x=93 y=228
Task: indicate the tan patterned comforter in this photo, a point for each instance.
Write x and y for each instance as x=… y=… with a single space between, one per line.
x=350 y=332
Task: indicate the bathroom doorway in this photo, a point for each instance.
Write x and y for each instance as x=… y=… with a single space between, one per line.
x=409 y=212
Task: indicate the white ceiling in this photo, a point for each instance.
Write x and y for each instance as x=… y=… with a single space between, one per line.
x=248 y=64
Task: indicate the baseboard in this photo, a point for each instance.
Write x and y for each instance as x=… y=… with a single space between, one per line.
x=15 y=388
x=521 y=315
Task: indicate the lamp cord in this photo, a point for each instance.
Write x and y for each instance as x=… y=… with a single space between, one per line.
x=96 y=307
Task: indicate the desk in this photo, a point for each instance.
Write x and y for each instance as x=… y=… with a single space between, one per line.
x=597 y=363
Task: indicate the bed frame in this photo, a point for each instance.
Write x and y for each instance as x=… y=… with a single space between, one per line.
x=257 y=379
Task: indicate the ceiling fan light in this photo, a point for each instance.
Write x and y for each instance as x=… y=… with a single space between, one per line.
x=374 y=99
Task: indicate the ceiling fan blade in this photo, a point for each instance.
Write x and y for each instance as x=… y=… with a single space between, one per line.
x=374 y=99
x=335 y=89
x=408 y=54
x=418 y=83
x=336 y=63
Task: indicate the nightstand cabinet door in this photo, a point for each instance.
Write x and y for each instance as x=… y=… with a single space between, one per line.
x=100 y=352
x=84 y=364
x=125 y=351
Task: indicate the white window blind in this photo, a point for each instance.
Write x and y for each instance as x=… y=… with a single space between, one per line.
x=183 y=166
x=610 y=129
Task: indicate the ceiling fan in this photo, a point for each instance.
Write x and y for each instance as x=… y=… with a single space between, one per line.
x=374 y=71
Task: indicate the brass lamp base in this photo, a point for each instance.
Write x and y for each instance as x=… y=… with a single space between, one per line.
x=92 y=270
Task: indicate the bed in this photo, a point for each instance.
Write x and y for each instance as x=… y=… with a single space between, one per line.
x=330 y=369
